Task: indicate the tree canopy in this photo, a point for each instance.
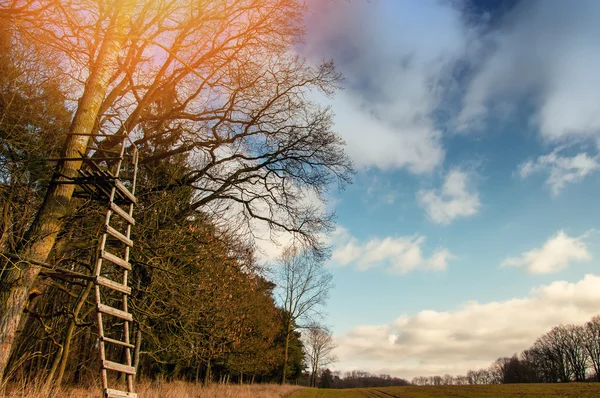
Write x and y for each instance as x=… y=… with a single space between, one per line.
x=218 y=104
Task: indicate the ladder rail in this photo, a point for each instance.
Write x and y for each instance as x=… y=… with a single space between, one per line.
x=128 y=357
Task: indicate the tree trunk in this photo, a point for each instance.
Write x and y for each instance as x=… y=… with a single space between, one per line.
x=197 y=373
x=69 y=335
x=176 y=371
x=315 y=369
x=207 y=374
x=136 y=352
x=38 y=358
x=84 y=342
x=54 y=367
x=285 y=353
x=18 y=281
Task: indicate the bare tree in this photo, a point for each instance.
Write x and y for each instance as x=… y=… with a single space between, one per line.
x=461 y=380
x=498 y=369
x=481 y=376
x=447 y=380
x=303 y=287
x=591 y=343
x=552 y=344
x=318 y=348
x=575 y=351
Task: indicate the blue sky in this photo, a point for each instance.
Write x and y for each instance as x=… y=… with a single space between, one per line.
x=474 y=127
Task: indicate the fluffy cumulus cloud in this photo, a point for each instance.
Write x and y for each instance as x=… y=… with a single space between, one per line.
x=372 y=141
x=473 y=336
x=561 y=170
x=397 y=255
x=547 y=52
x=456 y=198
x=555 y=255
x=397 y=60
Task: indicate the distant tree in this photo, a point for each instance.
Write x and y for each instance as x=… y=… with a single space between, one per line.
x=548 y=362
x=553 y=344
x=484 y=376
x=326 y=379
x=499 y=368
x=447 y=380
x=461 y=380
x=420 y=381
x=318 y=346
x=591 y=343
x=360 y=379
x=563 y=354
x=574 y=346
x=296 y=362
x=303 y=287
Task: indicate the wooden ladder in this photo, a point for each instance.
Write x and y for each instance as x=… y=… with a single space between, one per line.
x=111 y=277
x=101 y=178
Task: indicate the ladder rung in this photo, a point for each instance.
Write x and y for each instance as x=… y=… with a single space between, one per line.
x=93 y=135
x=113 y=285
x=115 y=312
x=93 y=177
x=97 y=149
x=122 y=213
x=116 y=234
x=114 y=259
x=97 y=173
x=119 y=367
x=118 y=342
x=125 y=191
x=110 y=393
x=83 y=159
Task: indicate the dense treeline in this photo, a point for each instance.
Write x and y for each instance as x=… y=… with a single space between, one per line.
x=566 y=353
x=357 y=379
x=228 y=141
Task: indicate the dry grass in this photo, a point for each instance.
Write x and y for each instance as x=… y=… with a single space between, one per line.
x=188 y=390
x=147 y=389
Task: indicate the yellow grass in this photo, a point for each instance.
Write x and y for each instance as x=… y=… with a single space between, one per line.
x=570 y=390
x=177 y=389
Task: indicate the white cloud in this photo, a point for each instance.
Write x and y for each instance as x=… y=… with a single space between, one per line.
x=398 y=255
x=554 y=256
x=397 y=66
x=471 y=337
x=456 y=198
x=561 y=170
x=372 y=141
x=546 y=52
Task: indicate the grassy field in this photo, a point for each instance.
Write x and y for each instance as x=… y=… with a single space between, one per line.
x=571 y=390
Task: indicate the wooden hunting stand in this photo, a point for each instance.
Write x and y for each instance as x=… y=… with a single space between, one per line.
x=109 y=176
